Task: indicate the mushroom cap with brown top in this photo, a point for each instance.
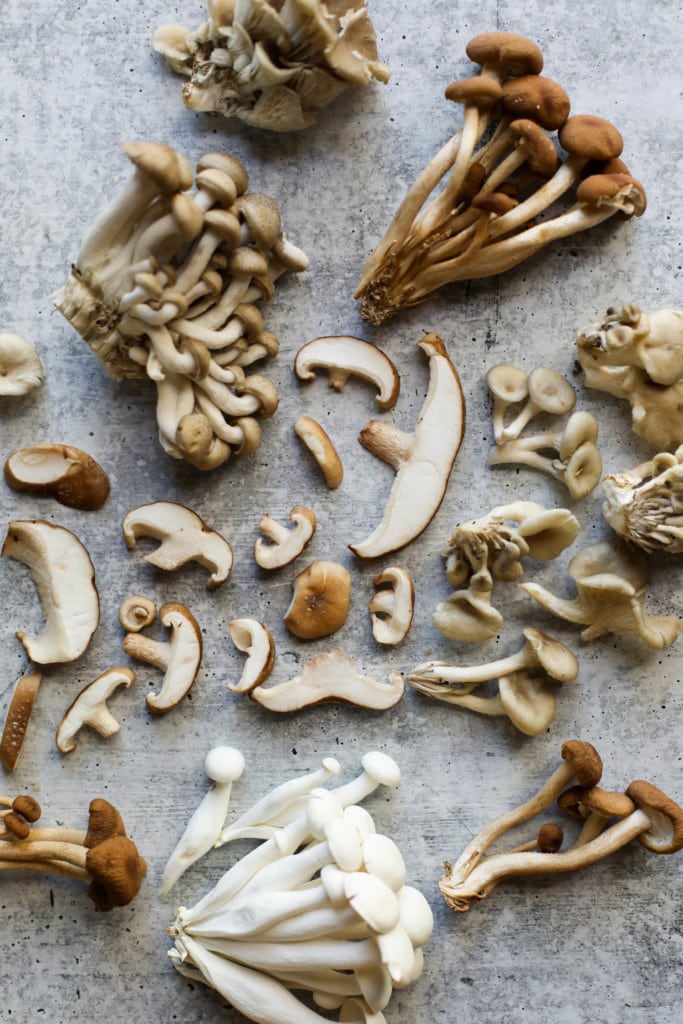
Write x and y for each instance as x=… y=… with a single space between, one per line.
x=117 y=869
x=550 y=838
x=507 y=52
x=496 y=203
x=224 y=224
x=537 y=98
x=17 y=719
x=479 y=91
x=584 y=760
x=104 y=822
x=168 y=169
x=261 y=215
x=229 y=165
x=592 y=137
x=601 y=188
x=540 y=153
x=17 y=825
x=320 y=603
x=666 y=817
x=28 y=807
x=609 y=803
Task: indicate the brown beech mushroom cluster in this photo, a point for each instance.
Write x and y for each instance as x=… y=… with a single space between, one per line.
x=639 y=357
x=500 y=174
x=645 y=504
x=609 y=820
x=164 y=287
x=273 y=64
x=102 y=856
x=493 y=547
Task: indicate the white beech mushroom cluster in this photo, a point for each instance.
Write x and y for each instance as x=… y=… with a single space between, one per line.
x=645 y=504
x=321 y=906
x=609 y=820
x=493 y=547
x=270 y=63
x=638 y=357
x=164 y=286
x=501 y=174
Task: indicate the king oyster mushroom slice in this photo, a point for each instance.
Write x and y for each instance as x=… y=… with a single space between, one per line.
x=283 y=545
x=179 y=658
x=253 y=638
x=184 y=537
x=330 y=676
x=20 y=367
x=90 y=708
x=63 y=472
x=391 y=608
x=344 y=356
x=645 y=504
x=64 y=577
x=422 y=460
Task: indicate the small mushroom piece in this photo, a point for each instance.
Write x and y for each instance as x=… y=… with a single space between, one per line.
x=320 y=602
x=509 y=386
x=546 y=391
x=645 y=504
x=64 y=577
x=136 y=613
x=63 y=472
x=391 y=609
x=179 y=658
x=331 y=676
x=422 y=460
x=286 y=544
x=17 y=718
x=90 y=708
x=252 y=637
x=318 y=442
x=344 y=356
x=184 y=536
x=20 y=367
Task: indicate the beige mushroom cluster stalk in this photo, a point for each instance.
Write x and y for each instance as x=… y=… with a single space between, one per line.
x=273 y=64
x=499 y=177
x=102 y=856
x=164 y=287
x=493 y=547
x=632 y=355
x=645 y=504
x=609 y=820
x=320 y=907
x=611 y=581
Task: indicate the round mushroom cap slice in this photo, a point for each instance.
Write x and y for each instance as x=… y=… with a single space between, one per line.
x=63 y=472
x=665 y=834
x=320 y=603
x=345 y=356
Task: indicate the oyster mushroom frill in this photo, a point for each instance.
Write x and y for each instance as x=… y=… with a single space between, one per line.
x=164 y=286
x=645 y=504
x=272 y=64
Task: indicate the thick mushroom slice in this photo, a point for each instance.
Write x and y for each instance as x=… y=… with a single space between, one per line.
x=422 y=460
x=331 y=676
x=179 y=658
x=391 y=608
x=184 y=537
x=253 y=638
x=17 y=718
x=344 y=356
x=283 y=545
x=320 y=445
x=90 y=708
x=64 y=577
x=63 y=472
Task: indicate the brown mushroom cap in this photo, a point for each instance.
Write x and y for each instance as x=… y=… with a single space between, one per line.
x=607 y=802
x=17 y=719
x=63 y=472
x=550 y=838
x=229 y=165
x=666 y=832
x=538 y=147
x=591 y=137
x=507 y=52
x=598 y=188
x=169 y=170
x=104 y=822
x=496 y=203
x=28 y=807
x=479 y=91
x=17 y=825
x=537 y=98
x=262 y=216
x=320 y=603
x=225 y=224
x=117 y=869
x=584 y=761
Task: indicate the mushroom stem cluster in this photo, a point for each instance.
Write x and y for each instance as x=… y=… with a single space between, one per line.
x=500 y=177
x=320 y=907
x=164 y=287
x=645 y=504
x=609 y=821
x=102 y=856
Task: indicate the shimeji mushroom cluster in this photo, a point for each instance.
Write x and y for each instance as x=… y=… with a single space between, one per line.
x=507 y=190
x=609 y=820
x=273 y=64
x=321 y=906
x=164 y=286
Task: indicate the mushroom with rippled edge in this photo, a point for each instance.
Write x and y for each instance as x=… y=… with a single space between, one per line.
x=20 y=367
x=17 y=718
x=645 y=504
x=611 y=581
x=331 y=676
x=90 y=708
x=391 y=608
x=320 y=600
x=64 y=577
x=60 y=471
x=281 y=545
x=179 y=658
x=343 y=356
x=318 y=442
x=254 y=639
x=422 y=460
x=184 y=536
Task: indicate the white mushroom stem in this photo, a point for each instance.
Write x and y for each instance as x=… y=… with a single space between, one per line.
x=248 y=916
x=326 y=922
x=336 y=954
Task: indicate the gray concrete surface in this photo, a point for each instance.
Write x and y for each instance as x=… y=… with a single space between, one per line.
x=76 y=80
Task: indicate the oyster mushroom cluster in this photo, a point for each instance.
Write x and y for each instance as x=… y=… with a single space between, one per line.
x=508 y=188
x=164 y=287
x=632 y=355
x=273 y=64
x=645 y=504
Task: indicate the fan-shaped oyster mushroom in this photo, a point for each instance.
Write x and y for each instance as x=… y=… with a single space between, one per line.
x=645 y=504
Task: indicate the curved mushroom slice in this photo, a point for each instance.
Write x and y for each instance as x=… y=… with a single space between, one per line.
x=17 y=718
x=184 y=537
x=63 y=472
x=287 y=544
x=391 y=609
x=318 y=442
x=331 y=676
x=345 y=356
x=20 y=367
x=422 y=460
x=179 y=658
x=90 y=708
x=252 y=637
x=136 y=612
x=64 y=577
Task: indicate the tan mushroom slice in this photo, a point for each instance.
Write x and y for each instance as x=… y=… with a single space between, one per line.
x=330 y=676
x=63 y=472
x=90 y=708
x=344 y=356
x=184 y=536
x=136 y=612
x=179 y=658
x=253 y=638
x=20 y=367
x=17 y=719
x=320 y=602
x=64 y=577
x=422 y=460
x=285 y=544
x=391 y=609
x=318 y=442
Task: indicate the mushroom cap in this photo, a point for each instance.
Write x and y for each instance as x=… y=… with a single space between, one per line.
x=550 y=391
x=280 y=550
x=69 y=475
x=415 y=915
x=507 y=382
x=606 y=558
x=478 y=91
x=224 y=764
x=104 y=822
x=497 y=203
x=345 y=843
x=509 y=53
x=246 y=262
x=261 y=215
x=550 y=837
x=383 y=859
x=529 y=703
x=184 y=659
x=17 y=825
x=344 y=355
x=538 y=147
x=601 y=189
x=137 y=612
x=320 y=603
x=592 y=137
x=17 y=718
x=252 y=637
x=117 y=869
x=169 y=170
x=20 y=367
x=372 y=900
x=584 y=760
x=556 y=659
x=547 y=533
x=218 y=184
x=583 y=471
x=229 y=165
x=382 y=768
x=318 y=442
x=581 y=428
x=28 y=807
x=226 y=225
x=665 y=834
x=609 y=803
x=538 y=99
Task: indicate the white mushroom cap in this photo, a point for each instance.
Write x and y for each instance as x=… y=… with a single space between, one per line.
x=383 y=859
x=20 y=367
x=224 y=764
x=373 y=900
